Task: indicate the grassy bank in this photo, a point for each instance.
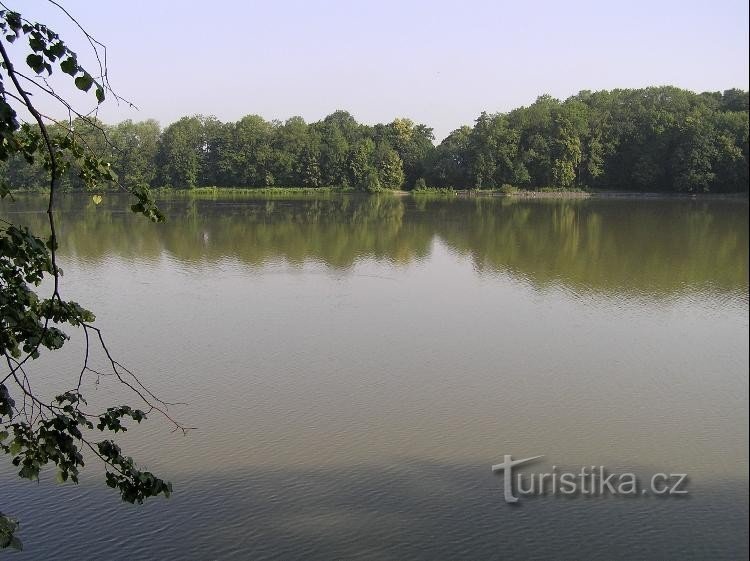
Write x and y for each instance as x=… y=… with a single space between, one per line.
x=505 y=191
x=232 y=192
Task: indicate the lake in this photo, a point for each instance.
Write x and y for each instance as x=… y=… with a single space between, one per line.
x=354 y=366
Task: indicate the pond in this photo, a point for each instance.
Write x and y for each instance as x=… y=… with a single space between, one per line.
x=354 y=366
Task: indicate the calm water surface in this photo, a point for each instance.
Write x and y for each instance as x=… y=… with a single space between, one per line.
x=354 y=366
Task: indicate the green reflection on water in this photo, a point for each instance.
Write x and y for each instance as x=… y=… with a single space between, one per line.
x=654 y=247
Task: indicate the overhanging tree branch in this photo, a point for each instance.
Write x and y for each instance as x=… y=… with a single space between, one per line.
x=36 y=432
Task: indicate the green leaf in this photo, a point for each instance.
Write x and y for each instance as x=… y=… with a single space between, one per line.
x=14 y=20
x=69 y=66
x=100 y=94
x=36 y=63
x=84 y=82
x=36 y=44
x=57 y=49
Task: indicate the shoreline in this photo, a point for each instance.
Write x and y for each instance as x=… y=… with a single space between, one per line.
x=605 y=195
x=429 y=193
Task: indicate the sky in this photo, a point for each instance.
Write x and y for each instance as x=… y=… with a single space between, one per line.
x=437 y=62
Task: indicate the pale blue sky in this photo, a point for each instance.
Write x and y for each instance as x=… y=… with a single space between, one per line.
x=437 y=62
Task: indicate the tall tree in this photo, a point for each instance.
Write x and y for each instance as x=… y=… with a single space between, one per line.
x=136 y=146
x=181 y=153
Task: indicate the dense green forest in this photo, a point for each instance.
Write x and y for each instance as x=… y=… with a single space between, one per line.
x=653 y=139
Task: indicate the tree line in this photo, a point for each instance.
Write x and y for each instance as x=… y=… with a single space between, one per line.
x=651 y=139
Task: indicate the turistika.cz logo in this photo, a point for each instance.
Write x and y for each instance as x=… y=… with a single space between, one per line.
x=589 y=480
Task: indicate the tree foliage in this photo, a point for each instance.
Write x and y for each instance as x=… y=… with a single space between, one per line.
x=35 y=432
x=655 y=139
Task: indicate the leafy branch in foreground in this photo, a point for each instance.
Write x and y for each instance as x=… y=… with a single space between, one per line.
x=35 y=432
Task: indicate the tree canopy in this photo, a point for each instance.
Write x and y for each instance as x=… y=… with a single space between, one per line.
x=652 y=139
